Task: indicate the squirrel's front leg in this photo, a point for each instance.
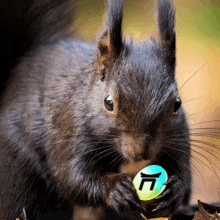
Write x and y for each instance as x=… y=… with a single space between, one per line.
x=118 y=193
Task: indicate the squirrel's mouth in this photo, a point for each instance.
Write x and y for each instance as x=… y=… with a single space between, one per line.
x=134 y=167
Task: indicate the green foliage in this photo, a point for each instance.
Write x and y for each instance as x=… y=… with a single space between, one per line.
x=208 y=21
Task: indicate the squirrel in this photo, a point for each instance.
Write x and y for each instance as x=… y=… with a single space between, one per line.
x=75 y=113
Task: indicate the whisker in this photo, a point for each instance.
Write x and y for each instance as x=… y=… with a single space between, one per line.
x=123 y=161
x=116 y=160
x=201 y=174
x=204 y=149
x=200 y=147
x=172 y=155
x=193 y=75
x=191 y=100
x=209 y=135
x=183 y=135
x=195 y=167
x=193 y=150
x=100 y=153
x=94 y=141
x=206 y=158
x=214 y=170
x=205 y=122
x=217 y=128
x=206 y=143
x=111 y=152
x=92 y=150
x=177 y=149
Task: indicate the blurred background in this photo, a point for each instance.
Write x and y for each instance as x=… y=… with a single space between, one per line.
x=198 y=52
x=198 y=66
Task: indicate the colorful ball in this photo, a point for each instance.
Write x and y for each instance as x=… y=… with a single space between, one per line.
x=149 y=182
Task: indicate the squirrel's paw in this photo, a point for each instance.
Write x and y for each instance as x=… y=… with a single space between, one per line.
x=122 y=196
x=171 y=198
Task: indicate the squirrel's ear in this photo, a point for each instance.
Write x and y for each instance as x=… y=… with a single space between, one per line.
x=166 y=23
x=110 y=44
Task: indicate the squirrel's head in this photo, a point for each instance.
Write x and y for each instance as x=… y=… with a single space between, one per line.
x=136 y=83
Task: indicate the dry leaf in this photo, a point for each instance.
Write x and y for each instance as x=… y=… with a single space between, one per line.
x=207 y=212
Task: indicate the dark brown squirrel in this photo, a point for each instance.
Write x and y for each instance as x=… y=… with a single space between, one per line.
x=76 y=112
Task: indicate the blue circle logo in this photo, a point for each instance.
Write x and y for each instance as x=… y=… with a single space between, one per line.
x=149 y=182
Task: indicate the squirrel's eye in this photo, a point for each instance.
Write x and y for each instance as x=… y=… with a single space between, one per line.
x=108 y=103
x=177 y=104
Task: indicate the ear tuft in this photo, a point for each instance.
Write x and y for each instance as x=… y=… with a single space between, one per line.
x=110 y=44
x=166 y=23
